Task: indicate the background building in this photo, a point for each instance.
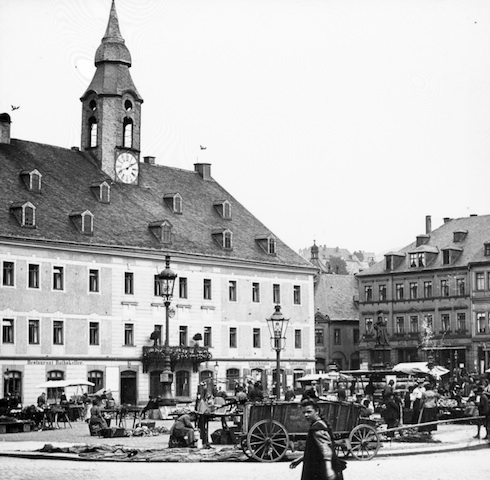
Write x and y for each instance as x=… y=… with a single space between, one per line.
x=336 y=318
x=83 y=235
x=430 y=298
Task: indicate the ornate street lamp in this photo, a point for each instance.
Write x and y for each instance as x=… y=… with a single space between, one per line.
x=166 y=280
x=277 y=327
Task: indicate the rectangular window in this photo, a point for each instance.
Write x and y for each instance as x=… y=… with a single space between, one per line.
x=355 y=335
x=233 y=337
x=129 y=283
x=128 y=334
x=276 y=293
x=446 y=257
x=421 y=259
x=399 y=291
x=157 y=286
x=319 y=336
x=413 y=260
x=33 y=280
x=445 y=323
x=183 y=340
x=414 y=324
x=461 y=286
x=297 y=294
x=429 y=322
x=368 y=293
x=33 y=332
x=369 y=326
x=480 y=281
x=336 y=336
x=382 y=293
x=297 y=339
x=8 y=274
x=255 y=292
x=207 y=289
x=400 y=325
x=461 y=319
x=58 y=332
x=428 y=289
x=444 y=288
x=232 y=291
x=58 y=278
x=93 y=281
x=8 y=330
x=183 y=287
x=94 y=333
x=481 y=322
x=208 y=337
x=413 y=290
x=256 y=338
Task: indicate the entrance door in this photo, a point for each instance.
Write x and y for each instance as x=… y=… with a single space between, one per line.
x=128 y=387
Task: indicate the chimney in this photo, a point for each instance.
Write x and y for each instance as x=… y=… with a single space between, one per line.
x=473 y=215
x=428 y=224
x=5 y=128
x=204 y=169
x=150 y=160
x=446 y=219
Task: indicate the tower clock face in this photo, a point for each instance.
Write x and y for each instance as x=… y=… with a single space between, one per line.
x=127 y=167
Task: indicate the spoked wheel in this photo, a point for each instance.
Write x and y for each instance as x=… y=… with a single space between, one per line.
x=268 y=441
x=364 y=442
x=244 y=446
x=341 y=449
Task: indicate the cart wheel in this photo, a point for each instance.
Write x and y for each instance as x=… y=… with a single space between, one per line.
x=341 y=449
x=267 y=441
x=244 y=446
x=364 y=442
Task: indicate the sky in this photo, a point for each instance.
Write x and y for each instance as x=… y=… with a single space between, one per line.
x=343 y=122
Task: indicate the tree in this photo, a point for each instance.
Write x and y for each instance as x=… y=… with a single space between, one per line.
x=338 y=265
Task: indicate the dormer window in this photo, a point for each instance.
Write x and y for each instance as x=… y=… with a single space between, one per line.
x=25 y=213
x=83 y=221
x=459 y=235
x=223 y=207
x=393 y=260
x=128 y=133
x=31 y=179
x=224 y=238
x=174 y=202
x=450 y=254
x=267 y=243
x=162 y=229
x=486 y=247
x=417 y=259
x=102 y=191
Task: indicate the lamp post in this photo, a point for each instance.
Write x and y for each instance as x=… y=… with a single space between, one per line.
x=166 y=280
x=278 y=325
x=216 y=369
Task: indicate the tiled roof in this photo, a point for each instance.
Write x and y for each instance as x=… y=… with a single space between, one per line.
x=334 y=296
x=472 y=245
x=67 y=177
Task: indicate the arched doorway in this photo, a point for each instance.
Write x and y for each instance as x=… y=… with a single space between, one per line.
x=128 y=387
x=12 y=384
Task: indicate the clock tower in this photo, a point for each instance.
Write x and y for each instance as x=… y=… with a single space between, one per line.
x=111 y=109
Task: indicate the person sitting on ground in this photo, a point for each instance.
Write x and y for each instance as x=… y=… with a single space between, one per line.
x=97 y=421
x=182 y=431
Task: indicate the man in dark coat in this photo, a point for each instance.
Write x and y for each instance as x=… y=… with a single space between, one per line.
x=319 y=449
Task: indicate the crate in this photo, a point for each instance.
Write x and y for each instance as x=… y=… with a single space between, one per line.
x=113 y=432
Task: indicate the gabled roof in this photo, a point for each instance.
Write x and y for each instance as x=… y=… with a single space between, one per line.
x=471 y=247
x=67 y=179
x=334 y=296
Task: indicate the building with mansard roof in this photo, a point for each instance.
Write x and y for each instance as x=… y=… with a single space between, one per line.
x=84 y=233
x=430 y=299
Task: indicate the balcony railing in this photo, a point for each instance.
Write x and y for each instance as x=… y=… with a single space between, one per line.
x=155 y=355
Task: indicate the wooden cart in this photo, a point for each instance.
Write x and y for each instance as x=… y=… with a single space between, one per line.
x=269 y=428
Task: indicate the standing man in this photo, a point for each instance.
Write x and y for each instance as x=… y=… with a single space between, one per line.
x=483 y=405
